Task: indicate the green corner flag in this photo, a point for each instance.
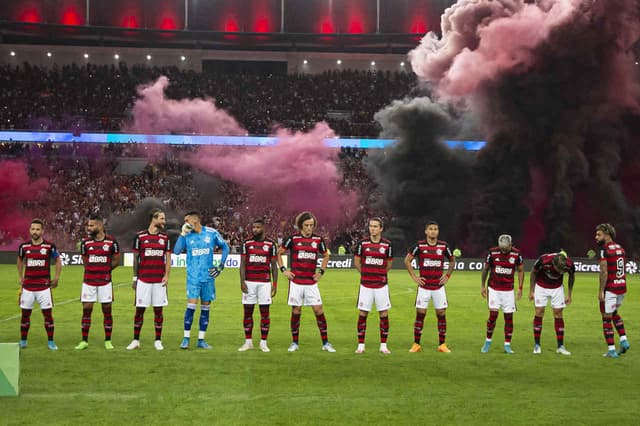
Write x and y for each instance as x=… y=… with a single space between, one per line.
x=9 y=369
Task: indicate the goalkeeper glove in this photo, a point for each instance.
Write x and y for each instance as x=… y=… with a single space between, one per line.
x=186 y=228
x=215 y=271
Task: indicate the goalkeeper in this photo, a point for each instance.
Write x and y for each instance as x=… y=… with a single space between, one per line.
x=199 y=242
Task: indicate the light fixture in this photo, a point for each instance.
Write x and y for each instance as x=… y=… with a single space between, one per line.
x=14 y=54
x=402 y=64
x=305 y=62
x=183 y=58
x=49 y=54
x=339 y=61
x=148 y=57
x=116 y=56
x=373 y=63
x=86 y=56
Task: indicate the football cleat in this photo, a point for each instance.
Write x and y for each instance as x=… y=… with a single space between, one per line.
x=293 y=347
x=384 y=350
x=624 y=347
x=158 y=345
x=108 y=345
x=247 y=345
x=52 y=345
x=264 y=347
x=203 y=345
x=507 y=349
x=185 y=343
x=537 y=350
x=611 y=353
x=82 y=345
x=328 y=347
x=23 y=344
x=486 y=346
x=135 y=344
x=415 y=348
x=562 y=350
x=444 y=348
x=360 y=348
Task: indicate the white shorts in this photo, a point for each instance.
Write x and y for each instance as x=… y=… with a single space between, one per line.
x=611 y=302
x=28 y=298
x=257 y=292
x=438 y=297
x=148 y=294
x=504 y=300
x=304 y=295
x=368 y=296
x=542 y=295
x=97 y=293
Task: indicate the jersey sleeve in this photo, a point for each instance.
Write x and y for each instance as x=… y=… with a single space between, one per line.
x=243 y=249
x=448 y=251
x=180 y=245
x=488 y=260
x=136 y=243
x=54 y=252
x=116 y=247
x=323 y=246
x=537 y=266
x=390 y=252
x=83 y=248
x=167 y=246
x=287 y=243
x=358 y=249
x=519 y=259
x=21 y=251
x=274 y=250
x=414 y=250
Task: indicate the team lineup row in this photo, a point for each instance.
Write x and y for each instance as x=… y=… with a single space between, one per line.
x=261 y=261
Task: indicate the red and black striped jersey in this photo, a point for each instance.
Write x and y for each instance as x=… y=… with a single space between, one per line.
x=151 y=250
x=98 y=257
x=431 y=260
x=615 y=256
x=502 y=268
x=258 y=256
x=37 y=264
x=305 y=252
x=374 y=258
x=547 y=276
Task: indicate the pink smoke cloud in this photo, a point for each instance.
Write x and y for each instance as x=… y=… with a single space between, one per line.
x=153 y=112
x=299 y=173
x=16 y=189
x=483 y=38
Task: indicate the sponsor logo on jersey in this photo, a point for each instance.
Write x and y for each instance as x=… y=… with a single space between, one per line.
x=428 y=263
x=98 y=259
x=36 y=262
x=501 y=270
x=306 y=255
x=374 y=261
x=256 y=258
x=153 y=253
x=200 y=251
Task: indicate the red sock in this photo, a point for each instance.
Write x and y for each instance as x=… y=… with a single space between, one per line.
x=362 y=328
x=138 y=319
x=417 y=327
x=25 y=323
x=247 y=321
x=158 y=320
x=48 y=323
x=265 y=321
x=384 y=329
x=491 y=323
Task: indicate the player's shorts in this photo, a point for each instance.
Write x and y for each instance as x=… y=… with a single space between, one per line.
x=505 y=300
x=611 y=302
x=203 y=290
x=368 y=296
x=258 y=292
x=542 y=295
x=438 y=297
x=148 y=294
x=28 y=299
x=304 y=295
x=97 y=293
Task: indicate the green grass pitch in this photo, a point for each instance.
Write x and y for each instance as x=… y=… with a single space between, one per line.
x=311 y=386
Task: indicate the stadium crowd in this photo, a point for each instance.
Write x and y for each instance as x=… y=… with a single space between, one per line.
x=85 y=179
x=98 y=97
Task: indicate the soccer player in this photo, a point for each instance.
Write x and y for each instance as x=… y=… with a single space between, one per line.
x=431 y=254
x=613 y=286
x=100 y=255
x=151 y=267
x=546 y=284
x=305 y=248
x=199 y=242
x=34 y=272
x=501 y=264
x=258 y=268
x=373 y=260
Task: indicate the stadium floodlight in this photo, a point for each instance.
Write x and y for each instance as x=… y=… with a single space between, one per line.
x=14 y=54
x=373 y=63
x=402 y=64
x=86 y=56
x=116 y=56
x=148 y=57
x=306 y=62
x=183 y=58
x=49 y=54
x=339 y=61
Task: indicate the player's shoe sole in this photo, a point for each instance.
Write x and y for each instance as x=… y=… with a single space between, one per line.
x=415 y=348
x=82 y=346
x=624 y=347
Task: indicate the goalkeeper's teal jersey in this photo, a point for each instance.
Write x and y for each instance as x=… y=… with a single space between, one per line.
x=200 y=247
